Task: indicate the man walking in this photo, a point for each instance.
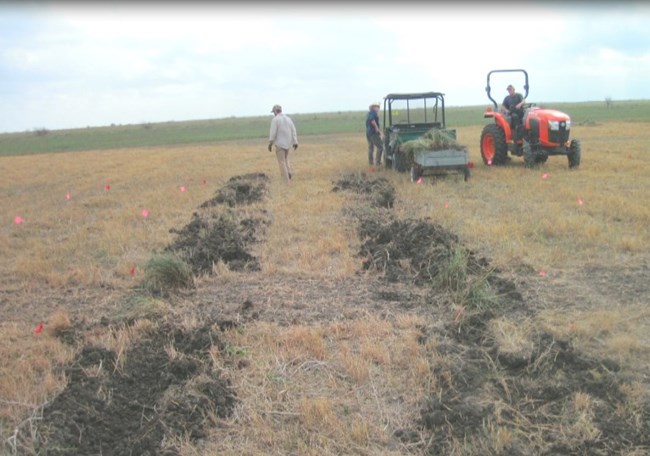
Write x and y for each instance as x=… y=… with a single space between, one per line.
x=283 y=135
x=373 y=135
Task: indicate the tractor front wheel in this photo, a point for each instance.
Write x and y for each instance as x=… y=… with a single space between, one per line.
x=494 y=149
x=530 y=159
x=574 y=153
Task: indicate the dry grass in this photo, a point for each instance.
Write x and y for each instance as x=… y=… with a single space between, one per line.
x=512 y=337
x=29 y=376
x=324 y=389
x=515 y=215
x=98 y=235
x=332 y=388
x=95 y=237
x=118 y=340
x=620 y=333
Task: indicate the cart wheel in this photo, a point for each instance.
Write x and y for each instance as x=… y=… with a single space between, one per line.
x=416 y=173
x=466 y=173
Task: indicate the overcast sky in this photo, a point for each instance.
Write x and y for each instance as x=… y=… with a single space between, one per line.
x=69 y=65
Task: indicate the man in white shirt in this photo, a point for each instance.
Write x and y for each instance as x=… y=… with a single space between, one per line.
x=284 y=137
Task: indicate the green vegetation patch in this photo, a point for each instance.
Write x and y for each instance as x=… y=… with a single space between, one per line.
x=43 y=140
x=166 y=272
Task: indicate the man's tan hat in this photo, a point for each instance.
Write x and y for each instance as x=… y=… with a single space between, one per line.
x=276 y=108
x=375 y=104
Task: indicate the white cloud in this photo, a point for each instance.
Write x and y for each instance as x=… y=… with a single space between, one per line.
x=116 y=63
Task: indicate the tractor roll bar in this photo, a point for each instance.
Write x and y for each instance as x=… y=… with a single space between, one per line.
x=516 y=70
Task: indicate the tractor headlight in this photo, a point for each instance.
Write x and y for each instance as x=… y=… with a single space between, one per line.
x=556 y=125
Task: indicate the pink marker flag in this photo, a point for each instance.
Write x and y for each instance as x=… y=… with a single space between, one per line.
x=182 y=188
x=489 y=162
x=581 y=201
x=132 y=270
x=145 y=213
x=542 y=274
x=446 y=204
x=545 y=176
x=419 y=181
x=18 y=220
x=107 y=187
x=39 y=328
x=204 y=181
x=68 y=196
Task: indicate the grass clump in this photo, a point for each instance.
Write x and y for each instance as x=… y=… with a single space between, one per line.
x=166 y=272
x=469 y=289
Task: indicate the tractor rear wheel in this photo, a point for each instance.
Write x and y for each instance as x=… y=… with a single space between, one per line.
x=574 y=153
x=494 y=149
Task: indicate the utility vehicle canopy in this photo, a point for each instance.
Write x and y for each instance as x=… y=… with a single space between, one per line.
x=415 y=109
x=412 y=96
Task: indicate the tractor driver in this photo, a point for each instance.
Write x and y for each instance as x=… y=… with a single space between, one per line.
x=512 y=104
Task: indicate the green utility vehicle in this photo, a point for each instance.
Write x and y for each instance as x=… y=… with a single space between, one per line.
x=417 y=120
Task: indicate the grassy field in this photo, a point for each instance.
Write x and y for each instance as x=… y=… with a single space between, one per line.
x=327 y=368
x=201 y=131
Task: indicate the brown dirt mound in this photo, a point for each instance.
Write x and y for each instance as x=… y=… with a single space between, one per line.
x=537 y=394
x=378 y=190
x=135 y=408
x=207 y=240
x=241 y=190
x=406 y=250
x=220 y=234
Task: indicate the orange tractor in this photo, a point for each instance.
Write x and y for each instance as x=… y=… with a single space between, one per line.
x=535 y=135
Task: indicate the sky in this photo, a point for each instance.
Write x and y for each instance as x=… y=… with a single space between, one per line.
x=75 y=65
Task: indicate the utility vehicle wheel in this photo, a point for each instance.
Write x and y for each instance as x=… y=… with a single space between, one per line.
x=416 y=173
x=574 y=153
x=399 y=161
x=530 y=159
x=388 y=162
x=494 y=149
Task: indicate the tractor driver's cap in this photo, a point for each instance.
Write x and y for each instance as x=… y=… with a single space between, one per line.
x=276 y=108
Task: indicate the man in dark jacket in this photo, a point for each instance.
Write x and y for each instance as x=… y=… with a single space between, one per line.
x=373 y=135
x=512 y=104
